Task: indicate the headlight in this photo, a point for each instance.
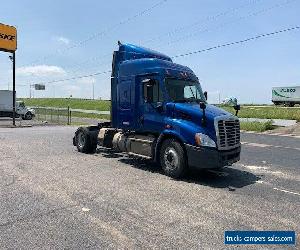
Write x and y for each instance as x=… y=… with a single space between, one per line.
x=204 y=140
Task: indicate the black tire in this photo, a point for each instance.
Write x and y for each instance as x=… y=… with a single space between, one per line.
x=291 y=104
x=173 y=159
x=28 y=116
x=84 y=141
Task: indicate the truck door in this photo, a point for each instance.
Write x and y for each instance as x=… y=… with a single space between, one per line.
x=126 y=110
x=152 y=116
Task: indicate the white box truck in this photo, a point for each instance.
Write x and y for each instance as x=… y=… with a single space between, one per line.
x=6 y=106
x=288 y=96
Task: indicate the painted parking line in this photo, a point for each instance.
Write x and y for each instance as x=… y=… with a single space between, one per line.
x=286 y=191
x=278 y=189
x=274 y=134
x=262 y=145
x=269 y=170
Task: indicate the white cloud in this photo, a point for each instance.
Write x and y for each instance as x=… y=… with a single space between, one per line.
x=63 y=40
x=71 y=88
x=82 y=91
x=40 y=70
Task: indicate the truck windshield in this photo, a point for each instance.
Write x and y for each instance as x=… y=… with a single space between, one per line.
x=184 y=91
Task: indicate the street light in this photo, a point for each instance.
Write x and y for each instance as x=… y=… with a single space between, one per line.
x=93 y=90
x=12 y=59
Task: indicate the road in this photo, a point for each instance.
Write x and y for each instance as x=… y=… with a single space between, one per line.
x=54 y=197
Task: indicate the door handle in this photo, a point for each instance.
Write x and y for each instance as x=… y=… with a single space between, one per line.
x=142 y=119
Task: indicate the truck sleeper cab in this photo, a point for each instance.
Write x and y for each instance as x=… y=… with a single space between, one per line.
x=158 y=111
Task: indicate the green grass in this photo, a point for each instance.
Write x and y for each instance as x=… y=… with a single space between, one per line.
x=65 y=102
x=246 y=112
x=257 y=126
x=61 y=116
x=92 y=116
x=267 y=112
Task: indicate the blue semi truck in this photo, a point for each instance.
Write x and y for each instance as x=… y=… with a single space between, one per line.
x=159 y=112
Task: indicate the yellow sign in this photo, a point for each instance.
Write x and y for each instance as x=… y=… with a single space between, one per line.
x=8 y=38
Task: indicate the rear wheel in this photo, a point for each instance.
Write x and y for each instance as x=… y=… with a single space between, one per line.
x=84 y=142
x=173 y=159
x=291 y=104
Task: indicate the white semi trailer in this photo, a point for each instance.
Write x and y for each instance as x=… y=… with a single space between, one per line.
x=6 y=106
x=288 y=96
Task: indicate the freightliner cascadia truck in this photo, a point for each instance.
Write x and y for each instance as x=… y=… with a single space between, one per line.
x=159 y=112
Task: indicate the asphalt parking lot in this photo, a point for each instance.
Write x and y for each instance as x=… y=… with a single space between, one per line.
x=51 y=196
x=8 y=122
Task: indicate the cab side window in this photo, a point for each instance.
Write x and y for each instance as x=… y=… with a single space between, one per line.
x=152 y=91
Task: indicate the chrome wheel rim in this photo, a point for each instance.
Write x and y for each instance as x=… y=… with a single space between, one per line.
x=171 y=158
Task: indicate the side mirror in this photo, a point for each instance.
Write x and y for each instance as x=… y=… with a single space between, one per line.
x=202 y=105
x=205 y=95
x=149 y=93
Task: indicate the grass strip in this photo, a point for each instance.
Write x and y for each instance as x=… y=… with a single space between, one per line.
x=267 y=112
x=257 y=126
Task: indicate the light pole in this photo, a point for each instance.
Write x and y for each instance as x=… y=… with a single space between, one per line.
x=13 y=59
x=93 y=90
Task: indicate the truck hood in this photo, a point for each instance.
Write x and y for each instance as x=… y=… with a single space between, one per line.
x=192 y=112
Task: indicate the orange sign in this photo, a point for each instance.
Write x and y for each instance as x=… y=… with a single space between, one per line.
x=8 y=38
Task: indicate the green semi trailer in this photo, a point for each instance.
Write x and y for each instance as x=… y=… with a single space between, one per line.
x=288 y=96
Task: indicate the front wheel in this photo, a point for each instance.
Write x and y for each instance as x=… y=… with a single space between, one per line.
x=27 y=116
x=173 y=159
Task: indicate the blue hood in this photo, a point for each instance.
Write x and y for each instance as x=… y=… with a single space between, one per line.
x=193 y=113
x=194 y=109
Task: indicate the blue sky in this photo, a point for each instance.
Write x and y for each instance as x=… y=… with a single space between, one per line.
x=48 y=28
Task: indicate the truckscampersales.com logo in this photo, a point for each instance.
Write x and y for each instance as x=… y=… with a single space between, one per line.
x=260 y=237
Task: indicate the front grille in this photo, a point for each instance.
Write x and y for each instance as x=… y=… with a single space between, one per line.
x=228 y=133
